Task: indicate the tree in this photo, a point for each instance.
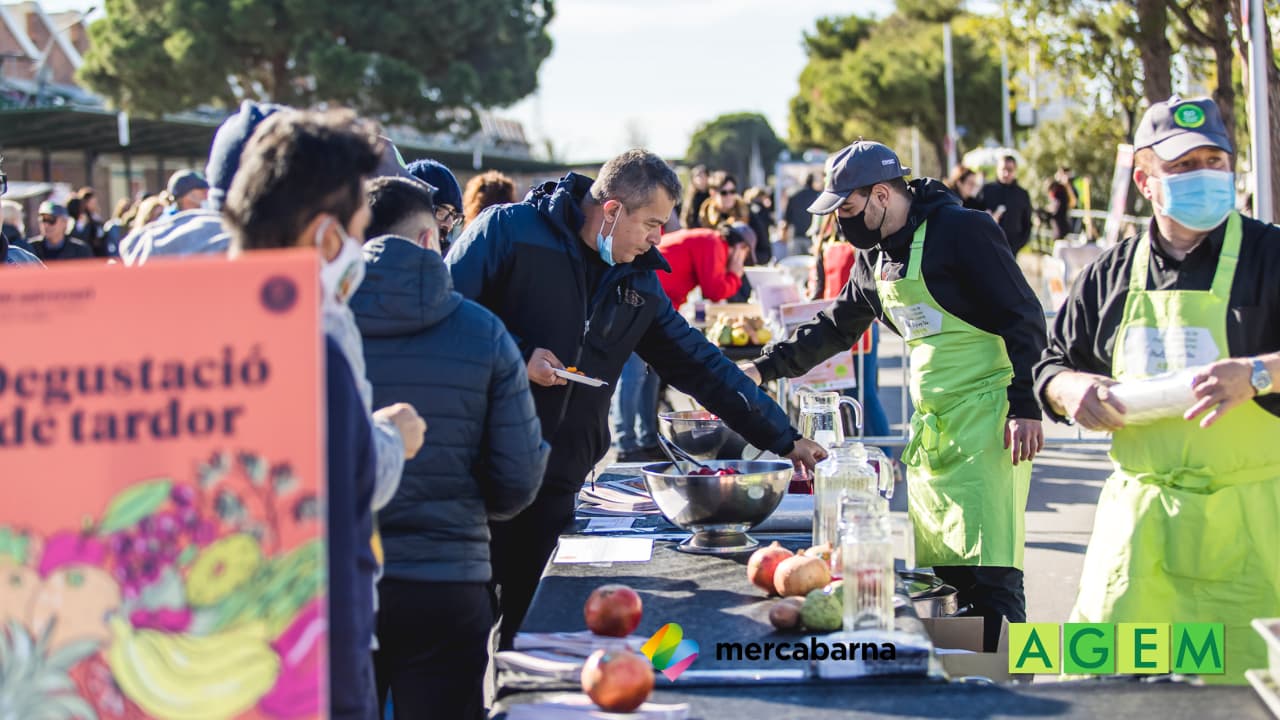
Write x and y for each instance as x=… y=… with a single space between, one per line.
x=1091 y=47
x=726 y=143
x=429 y=62
x=888 y=75
x=1084 y=141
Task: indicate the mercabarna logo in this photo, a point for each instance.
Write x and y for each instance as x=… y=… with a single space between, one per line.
x=669 y=652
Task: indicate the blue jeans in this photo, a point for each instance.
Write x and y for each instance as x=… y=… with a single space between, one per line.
x=634 y=409
x=874 y=420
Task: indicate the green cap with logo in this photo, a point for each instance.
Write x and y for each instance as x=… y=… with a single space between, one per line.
x=1175 y=127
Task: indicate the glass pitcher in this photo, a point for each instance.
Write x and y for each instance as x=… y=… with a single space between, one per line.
x=820 y=417
x=884 y=468
x=866 y=556
x=846 y=470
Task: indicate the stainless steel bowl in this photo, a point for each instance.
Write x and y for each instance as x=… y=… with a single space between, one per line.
x=931 y=597
x=697 y=432
x=718 y=509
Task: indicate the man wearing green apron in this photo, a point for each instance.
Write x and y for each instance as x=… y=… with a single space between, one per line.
x=1188 y=525
x=943 y=278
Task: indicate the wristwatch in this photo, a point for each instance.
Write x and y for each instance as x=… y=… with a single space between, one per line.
x=1261 y=378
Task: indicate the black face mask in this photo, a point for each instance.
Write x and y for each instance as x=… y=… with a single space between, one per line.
x=855 y=230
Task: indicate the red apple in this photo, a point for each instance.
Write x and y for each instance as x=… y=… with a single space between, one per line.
x=617 y=680
x=613 y=610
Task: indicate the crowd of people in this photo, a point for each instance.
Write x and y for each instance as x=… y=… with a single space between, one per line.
x=450 y=317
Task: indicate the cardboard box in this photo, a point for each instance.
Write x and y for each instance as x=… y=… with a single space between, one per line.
x=965 y=633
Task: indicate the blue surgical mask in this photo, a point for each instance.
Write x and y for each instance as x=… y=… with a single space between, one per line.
x=1199 y=200
x=604 y=243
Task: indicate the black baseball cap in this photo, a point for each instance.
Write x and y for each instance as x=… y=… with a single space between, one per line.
x=859 y=165
x=1175 y=127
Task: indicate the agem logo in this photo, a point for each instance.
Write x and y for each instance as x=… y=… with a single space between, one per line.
x=1123 y=648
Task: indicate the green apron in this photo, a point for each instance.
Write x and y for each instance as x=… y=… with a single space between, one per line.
x=1188 y=524
x=966 y=498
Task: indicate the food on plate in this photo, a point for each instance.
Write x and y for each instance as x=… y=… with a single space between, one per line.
x=739 y=331
x=575 y=371
x=613 y=611
x=618 y=680
x=785 y=614
x=822 y=611
x=799 y=575
x=763 y=563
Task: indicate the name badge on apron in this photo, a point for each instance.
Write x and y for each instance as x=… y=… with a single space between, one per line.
x=1162 y=350
x=916 y=321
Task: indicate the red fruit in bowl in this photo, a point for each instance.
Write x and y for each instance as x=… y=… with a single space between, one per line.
x=617 y=680
x=613 y=611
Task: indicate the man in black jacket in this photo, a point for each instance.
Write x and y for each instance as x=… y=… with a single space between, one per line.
x=570 y=271
x=1009 y=204
x=943 y=278
x=54 y=243
x=482 y=461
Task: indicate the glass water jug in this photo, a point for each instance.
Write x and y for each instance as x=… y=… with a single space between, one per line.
x=820 y=417
x=846 y=470
x=866 y=552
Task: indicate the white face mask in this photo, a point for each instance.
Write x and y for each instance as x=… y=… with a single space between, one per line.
x=340 y=278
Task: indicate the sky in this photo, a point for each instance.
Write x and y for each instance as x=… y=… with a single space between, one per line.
x=653 y=70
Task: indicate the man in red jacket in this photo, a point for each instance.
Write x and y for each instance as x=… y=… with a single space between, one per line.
x=711 y=259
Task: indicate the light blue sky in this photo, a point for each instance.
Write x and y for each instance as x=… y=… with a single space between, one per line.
x=655 y=69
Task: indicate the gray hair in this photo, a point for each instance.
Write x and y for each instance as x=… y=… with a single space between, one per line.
x=632 y=177
x=13 y=214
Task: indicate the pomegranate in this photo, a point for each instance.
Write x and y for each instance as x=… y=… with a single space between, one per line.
x=617 y=680
x=763 y=564
x=797 y=576
x=613 y=611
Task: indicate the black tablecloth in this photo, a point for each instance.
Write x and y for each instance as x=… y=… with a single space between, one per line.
x=1092 y=699
x=713 y=602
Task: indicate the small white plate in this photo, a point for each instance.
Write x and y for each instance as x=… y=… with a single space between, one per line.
x=574 y=377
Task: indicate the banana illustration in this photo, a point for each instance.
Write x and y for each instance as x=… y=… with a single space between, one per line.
x=186 y=677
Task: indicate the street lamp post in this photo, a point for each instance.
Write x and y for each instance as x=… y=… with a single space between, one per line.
x=951 y=98
x=1259 y=109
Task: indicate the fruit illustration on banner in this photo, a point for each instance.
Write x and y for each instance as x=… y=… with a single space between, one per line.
x=167 y=605
x=186 y=677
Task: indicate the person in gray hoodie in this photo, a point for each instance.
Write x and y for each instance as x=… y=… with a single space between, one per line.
x=200 y=231
x=483 y=460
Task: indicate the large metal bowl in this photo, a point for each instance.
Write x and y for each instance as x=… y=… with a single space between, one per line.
x=697 y=432
x=718 y=509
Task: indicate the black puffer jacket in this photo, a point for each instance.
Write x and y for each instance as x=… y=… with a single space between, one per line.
x=525 y=263
x=455 y=363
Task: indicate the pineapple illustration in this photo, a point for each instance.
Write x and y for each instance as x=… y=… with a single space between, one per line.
x=35 y=683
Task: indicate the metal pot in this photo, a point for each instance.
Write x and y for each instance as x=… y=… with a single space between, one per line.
x=930 y=597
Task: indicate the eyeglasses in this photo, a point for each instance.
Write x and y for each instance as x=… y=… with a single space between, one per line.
x=727 y=191
x=445 y=214
x=48 y=220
